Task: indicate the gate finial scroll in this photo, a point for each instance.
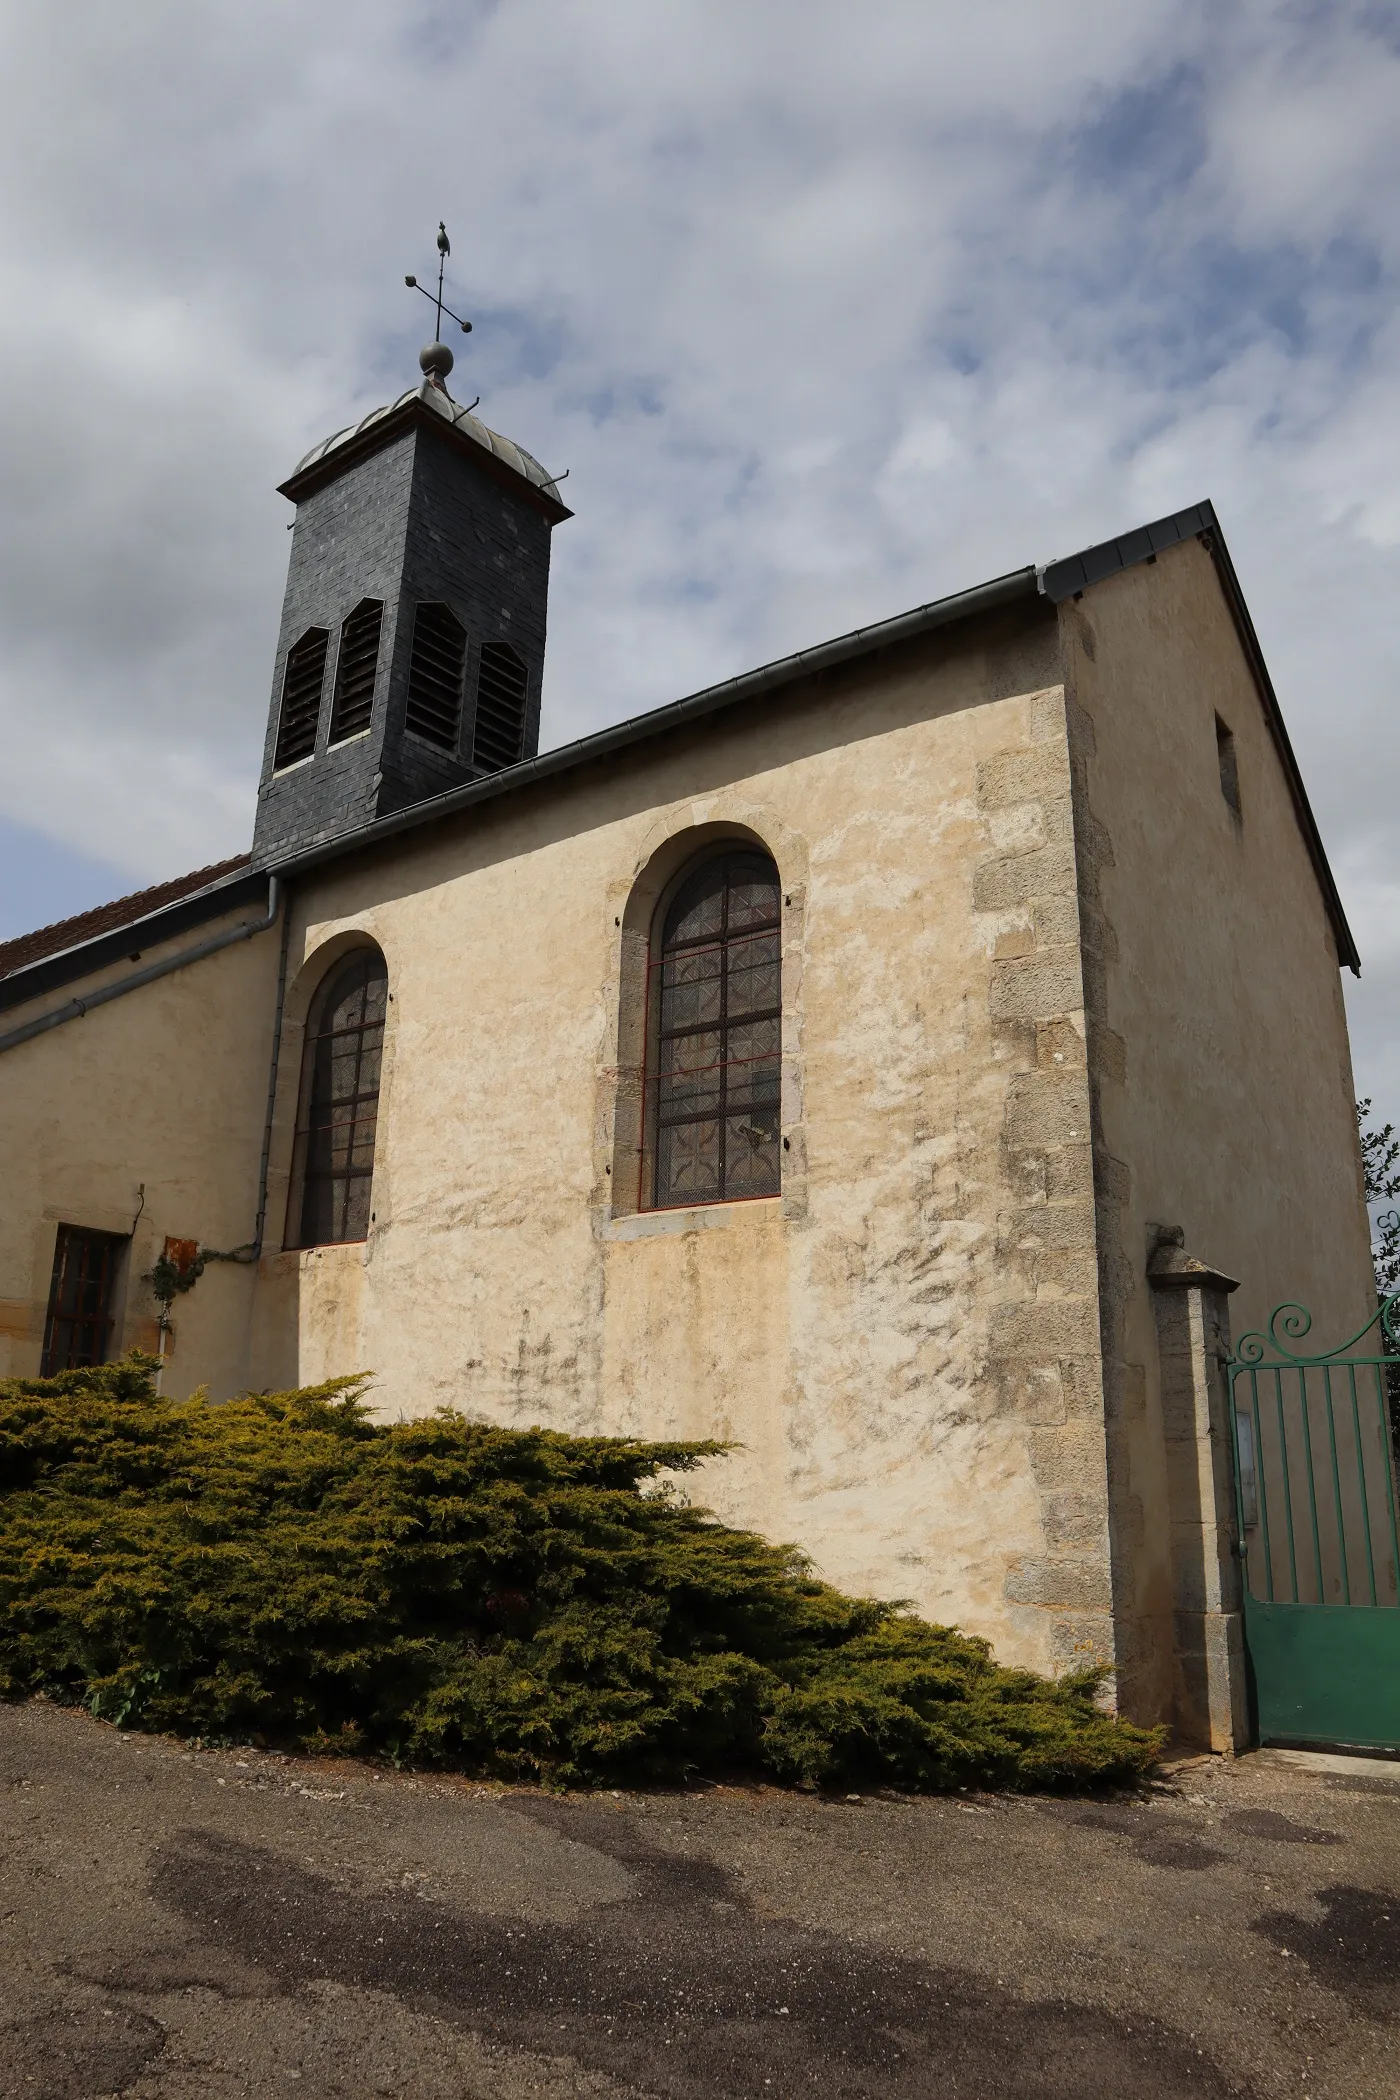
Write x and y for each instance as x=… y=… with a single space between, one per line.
x=1289 y=1323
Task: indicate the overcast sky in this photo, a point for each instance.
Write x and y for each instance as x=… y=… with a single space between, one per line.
x=828 y=309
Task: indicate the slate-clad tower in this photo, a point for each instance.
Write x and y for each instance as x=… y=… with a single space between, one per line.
x=413 y=628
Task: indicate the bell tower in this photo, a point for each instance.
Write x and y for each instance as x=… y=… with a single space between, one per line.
x=413 y=628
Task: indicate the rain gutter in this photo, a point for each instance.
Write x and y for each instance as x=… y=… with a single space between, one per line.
x=76 y=1008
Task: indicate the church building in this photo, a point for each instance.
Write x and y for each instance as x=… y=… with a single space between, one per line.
x=846 y=1062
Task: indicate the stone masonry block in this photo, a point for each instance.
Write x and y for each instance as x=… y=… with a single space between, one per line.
x=1043 y=984
x=1048 y=716
x=1031 y=1393
x=998 y=885
x=1083 y=1384
x=1069 y=1171
x=1085 y=1640
x=1042 y=1330
x=1057 y=820
x=1079 y=1583
x=1059 y=1043
x=1071 y=1520
x=1071 y=1458
x=1047 y=1108
x=1027 y=775
x=1062 y=1225
x=1056 y=921
x=1072 y=1271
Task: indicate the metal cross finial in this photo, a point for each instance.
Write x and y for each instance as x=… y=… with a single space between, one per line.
x=444 y=250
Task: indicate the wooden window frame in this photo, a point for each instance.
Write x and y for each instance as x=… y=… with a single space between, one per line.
x=83 y=1260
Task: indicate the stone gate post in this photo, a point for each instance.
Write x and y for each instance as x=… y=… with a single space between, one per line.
x=1191 y=1302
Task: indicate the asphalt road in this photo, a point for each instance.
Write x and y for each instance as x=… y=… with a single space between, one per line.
x=221 y=1925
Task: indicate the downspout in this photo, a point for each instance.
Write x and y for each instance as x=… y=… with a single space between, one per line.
x=76 y=1008
x=254 y=1252
x=251 y=1250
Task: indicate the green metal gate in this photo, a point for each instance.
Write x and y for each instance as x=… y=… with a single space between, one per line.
x=1316 y=1505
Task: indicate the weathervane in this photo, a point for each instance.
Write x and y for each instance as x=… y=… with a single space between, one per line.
x=437 y=359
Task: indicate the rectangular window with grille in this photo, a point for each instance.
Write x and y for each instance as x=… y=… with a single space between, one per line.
x=355 y=671
x=435 y=672
x=79 y=1324
x=301 y=698
x=498 y=736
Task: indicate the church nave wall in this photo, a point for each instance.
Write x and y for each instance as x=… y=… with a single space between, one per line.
x=844 y=1334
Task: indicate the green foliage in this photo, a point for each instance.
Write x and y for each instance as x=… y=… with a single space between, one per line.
x=1380 y=1161
x=520 y=1603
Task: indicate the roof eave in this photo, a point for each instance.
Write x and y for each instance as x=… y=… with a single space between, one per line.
x=124 y=943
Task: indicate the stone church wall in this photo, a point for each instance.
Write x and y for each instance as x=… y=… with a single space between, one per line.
x=1224 y=1087
x=166 y=1087
x=904 y=1345
x=1044 y=993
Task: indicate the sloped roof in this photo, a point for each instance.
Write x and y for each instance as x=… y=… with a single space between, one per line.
x=85 y=926
x=228 y=883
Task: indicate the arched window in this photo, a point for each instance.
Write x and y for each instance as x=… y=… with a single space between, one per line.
x=340 y=1103
x=716 y=1048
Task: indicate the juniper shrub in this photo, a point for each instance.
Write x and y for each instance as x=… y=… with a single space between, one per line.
x=281 y=1569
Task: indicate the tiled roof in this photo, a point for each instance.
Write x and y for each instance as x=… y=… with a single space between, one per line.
x=28 y=948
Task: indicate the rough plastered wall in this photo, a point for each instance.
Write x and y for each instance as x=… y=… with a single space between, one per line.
x=1224 y=1087
x=904 y=1345
x=167 y=1087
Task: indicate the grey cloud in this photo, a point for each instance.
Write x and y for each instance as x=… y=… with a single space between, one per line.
x=828 y=311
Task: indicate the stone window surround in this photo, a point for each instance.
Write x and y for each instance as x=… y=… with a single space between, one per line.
x=674 y=842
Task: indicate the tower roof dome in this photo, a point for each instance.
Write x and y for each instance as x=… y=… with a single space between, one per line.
x=463 y=422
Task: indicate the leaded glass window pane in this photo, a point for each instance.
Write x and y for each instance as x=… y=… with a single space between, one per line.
x=340 y=1102
x=713 y=1092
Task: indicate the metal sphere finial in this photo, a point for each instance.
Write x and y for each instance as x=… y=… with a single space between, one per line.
x=437 y=360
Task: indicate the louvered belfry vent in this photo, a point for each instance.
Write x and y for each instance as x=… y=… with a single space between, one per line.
x=419 y=536
x=355 y=671
x=435 y=670
x=502 y=683
x=301 y=698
